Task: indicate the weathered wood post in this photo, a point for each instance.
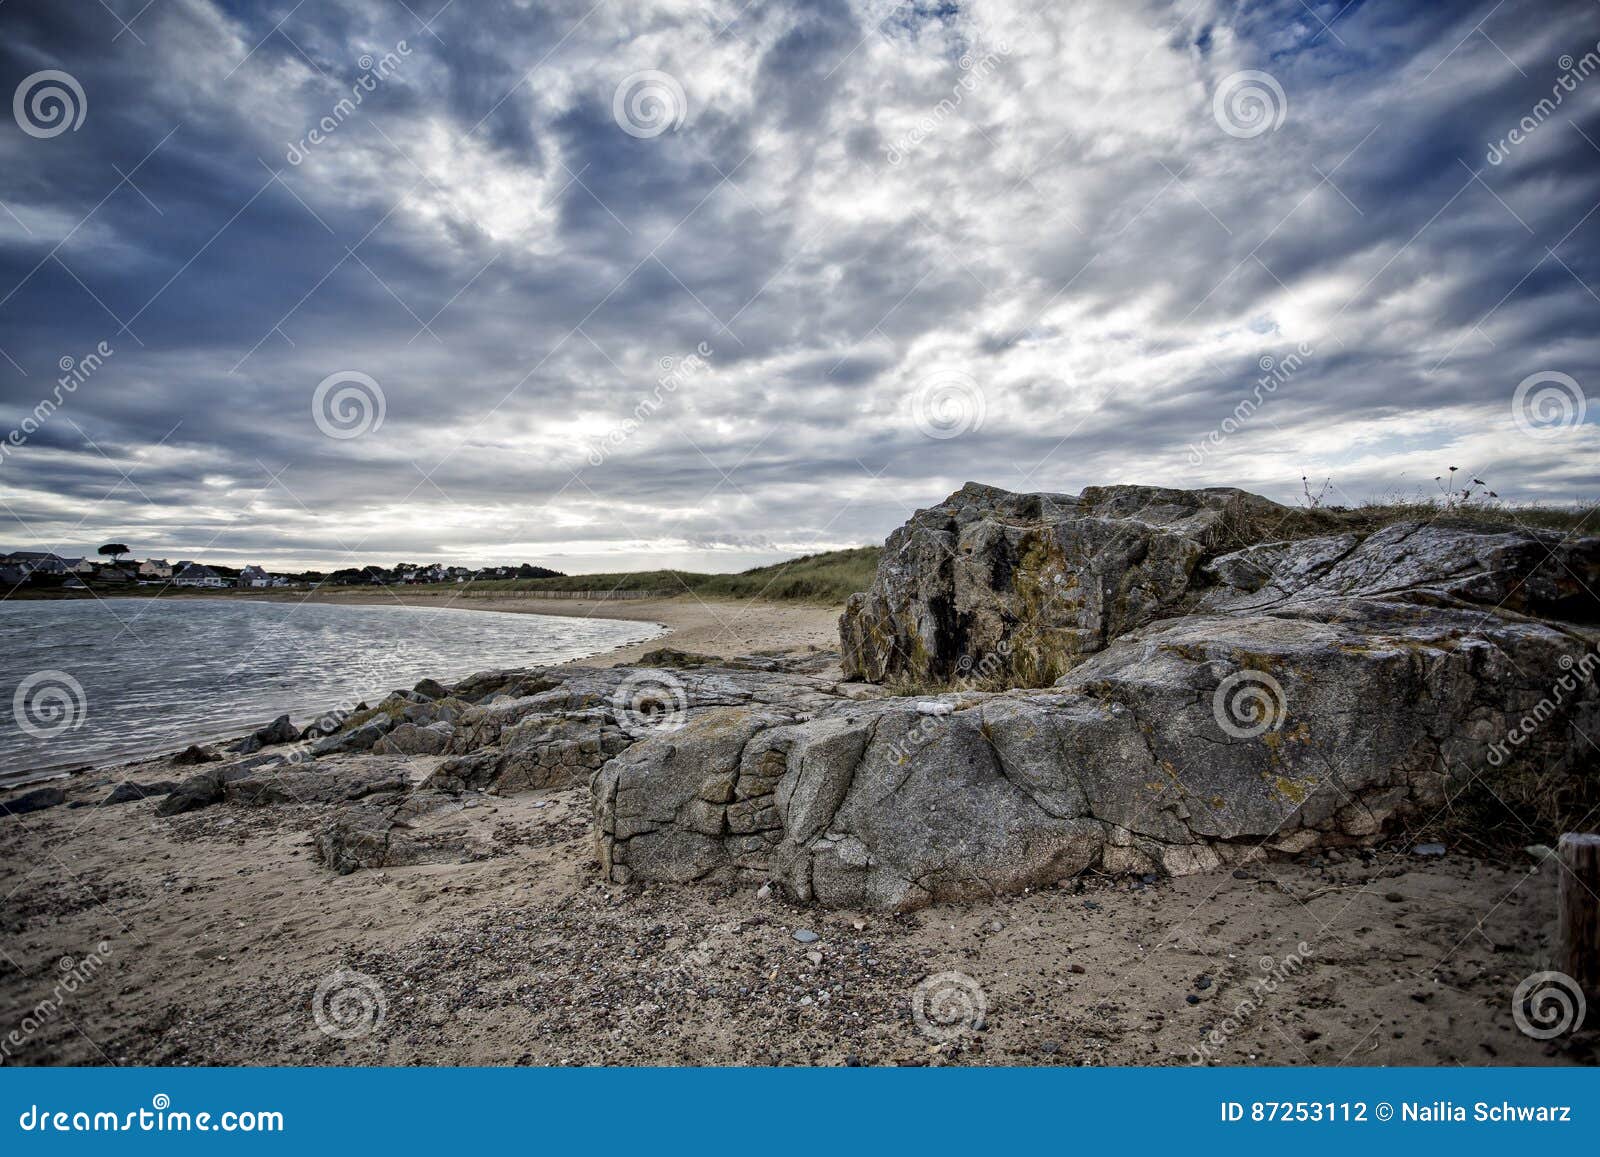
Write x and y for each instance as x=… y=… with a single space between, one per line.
x=1578 y=910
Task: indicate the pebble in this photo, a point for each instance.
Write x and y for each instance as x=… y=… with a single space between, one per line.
x=1050 y=1048
x=1202 y=982
x=1393 y=897
x=1192 y=998
x=814 y=957
x=1429 y=849
x=1078 y=968
x=806 y=936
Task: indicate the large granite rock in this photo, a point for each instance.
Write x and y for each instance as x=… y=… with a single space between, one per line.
x=1017 y=588
x=1215 y=706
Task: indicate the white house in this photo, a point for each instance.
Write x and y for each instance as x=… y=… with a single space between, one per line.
x=155 y=568
x=195 y=575
x=254 y=576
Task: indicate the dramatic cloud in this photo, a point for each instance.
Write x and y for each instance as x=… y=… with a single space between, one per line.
x=707 y=283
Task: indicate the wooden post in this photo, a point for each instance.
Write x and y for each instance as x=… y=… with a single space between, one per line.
x=1578 y=910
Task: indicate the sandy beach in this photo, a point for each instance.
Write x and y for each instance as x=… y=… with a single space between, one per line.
x=707 y=626
x=206 y=937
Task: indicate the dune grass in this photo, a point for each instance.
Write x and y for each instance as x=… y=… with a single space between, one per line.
x=829 y=577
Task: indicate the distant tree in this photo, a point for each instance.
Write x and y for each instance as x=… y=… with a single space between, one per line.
x=528 y=571
x=114 y=549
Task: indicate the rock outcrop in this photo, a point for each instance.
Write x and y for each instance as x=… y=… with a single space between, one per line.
x=1214 y=706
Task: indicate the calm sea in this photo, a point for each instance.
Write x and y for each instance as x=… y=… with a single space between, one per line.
x=90 y=681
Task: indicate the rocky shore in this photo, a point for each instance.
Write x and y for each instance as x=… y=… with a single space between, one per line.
x=1048 y=697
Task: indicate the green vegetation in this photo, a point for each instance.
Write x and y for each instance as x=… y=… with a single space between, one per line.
x=830 y=577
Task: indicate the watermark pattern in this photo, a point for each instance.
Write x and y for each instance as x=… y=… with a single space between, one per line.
x=675 y=372
x=1273 y=974
x=373 y=73
x=48 y=703
x=948 y=404
x=647 y=104
x=74 y=373
x=1249 y=703
x=48 y=103
x=650 y=703
x=1547 y=1004
x=1520 y=732
x=1249 y=103
x=933 y=712
x=349 y=1005
x=75 y=974
x=1274 y=373
x=948 y=1005
x=348 y=404
x=974 y=71
x=1573 y=73
x=1547 y=403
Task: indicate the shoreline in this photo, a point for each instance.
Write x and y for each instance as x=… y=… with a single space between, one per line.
x=721 y=627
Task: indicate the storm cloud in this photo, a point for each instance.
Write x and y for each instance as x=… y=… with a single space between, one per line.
x=707 y=284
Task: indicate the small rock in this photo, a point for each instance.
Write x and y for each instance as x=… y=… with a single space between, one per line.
x=814 y=957
x=1050 y=1048
x=1540 y=851
x=1202 y=982
x=1393 y=897
x=32 y=801
x=1429 y=850
x=1078 y=968
x=806 y=936
x=194 y=753
x=1192 y=998
x=764 y=891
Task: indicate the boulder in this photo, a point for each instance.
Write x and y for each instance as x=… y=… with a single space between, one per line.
x=31 y=801
x=415 y=739
x=1217 y=700
x=194 y=754
x=432 y=689
x=129 y=792
x=1010 y=588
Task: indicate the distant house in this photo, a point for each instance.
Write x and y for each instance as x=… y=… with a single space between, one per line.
x=11 y=576
x=78 y=565
x=196 y=575
x=42 y=561
x=254 y=576
x=155 y=568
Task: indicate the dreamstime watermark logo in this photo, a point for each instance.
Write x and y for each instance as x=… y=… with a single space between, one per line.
x=48 y=703
x=75 y=371
x=74 y=974
x=1273 y=974
x=1573 y=73
x=933 y=713
x=1249 y=703
x=650 y=703
x=974 y=70
x=48 y=103
x=1274 y=373
x=948 y=404
x=373 y=73
x=347 y=404
x=1547 y=1004
x=1547 y=403
x=349 y=1005
x=1249 y=103
x=1520 y=732
x=948 y=1005
x=675 y=372
x=647 y=104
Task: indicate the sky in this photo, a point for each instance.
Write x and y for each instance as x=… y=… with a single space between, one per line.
x=614 y=285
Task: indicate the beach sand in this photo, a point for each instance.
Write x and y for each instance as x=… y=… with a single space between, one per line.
x=708 y=626
x=208 y=935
